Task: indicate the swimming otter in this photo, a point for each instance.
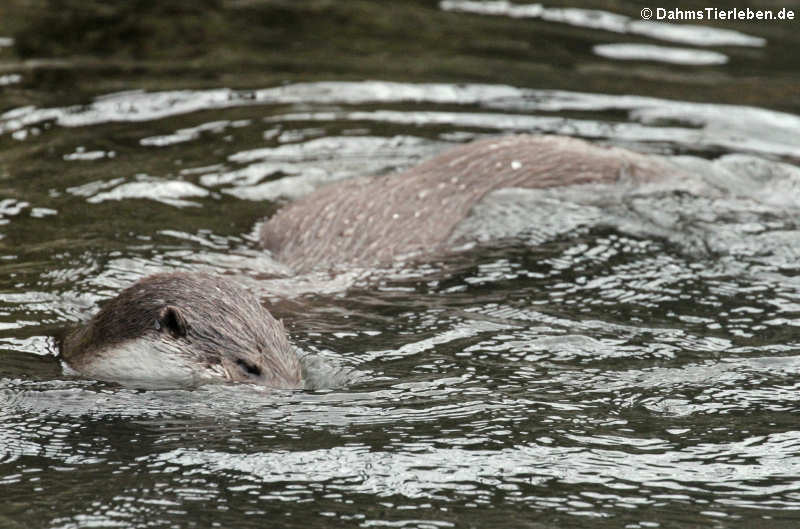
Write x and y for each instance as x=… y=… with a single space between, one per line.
x=184 y=329
x=196 y=328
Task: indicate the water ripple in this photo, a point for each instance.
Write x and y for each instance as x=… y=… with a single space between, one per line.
x=699 y=35
x=766 y=131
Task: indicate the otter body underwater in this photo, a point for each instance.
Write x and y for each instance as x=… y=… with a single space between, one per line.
x=185 y=328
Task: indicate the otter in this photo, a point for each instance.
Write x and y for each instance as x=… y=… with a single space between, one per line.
x=184 y=329
x=197 y=328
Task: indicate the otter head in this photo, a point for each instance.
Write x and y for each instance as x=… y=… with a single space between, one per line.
x=184 y=329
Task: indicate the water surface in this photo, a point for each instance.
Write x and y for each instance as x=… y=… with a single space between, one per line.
x=618 y=357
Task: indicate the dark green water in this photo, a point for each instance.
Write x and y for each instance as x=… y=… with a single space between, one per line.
x=631 y=360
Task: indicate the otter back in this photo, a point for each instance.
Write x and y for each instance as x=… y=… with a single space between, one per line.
x=373 y=220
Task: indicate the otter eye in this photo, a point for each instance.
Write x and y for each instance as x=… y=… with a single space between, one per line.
x=249 y=367
x=172 y=321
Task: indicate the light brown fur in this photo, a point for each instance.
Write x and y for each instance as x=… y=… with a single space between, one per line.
x=372 y=220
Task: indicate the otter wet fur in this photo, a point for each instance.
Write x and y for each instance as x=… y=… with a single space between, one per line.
x=196 y=328
x=372 y=220
x=184 y=329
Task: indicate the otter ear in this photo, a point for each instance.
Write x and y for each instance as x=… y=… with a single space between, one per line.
x=172 y=321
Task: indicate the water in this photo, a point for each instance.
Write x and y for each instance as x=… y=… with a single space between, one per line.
x=620 y=357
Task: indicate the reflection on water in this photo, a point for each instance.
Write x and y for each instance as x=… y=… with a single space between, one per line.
x=648 y=52
x=607 y=356
x=702 y=125
x=604 y=20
